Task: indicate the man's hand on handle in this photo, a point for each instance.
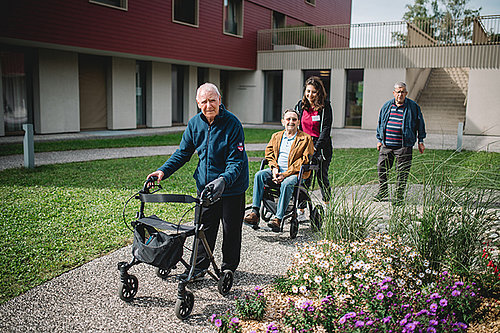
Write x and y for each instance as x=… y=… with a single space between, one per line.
x=159 y=174
x=379 y=144
x=421 y=148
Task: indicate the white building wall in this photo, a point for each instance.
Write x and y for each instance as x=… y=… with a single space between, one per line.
x=483 y=102
x=292 y=88
x=190 y=93
x=378 y=85
x=121 y=94
x=56 y=97
x=246 y=96
x=159 y=101
x=337 y=96
x=214 y=76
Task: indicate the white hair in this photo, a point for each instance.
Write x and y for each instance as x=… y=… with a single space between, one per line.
x=399 y=84
x=207 y=86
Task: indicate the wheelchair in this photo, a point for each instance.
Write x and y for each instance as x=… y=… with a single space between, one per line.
x=300 y=198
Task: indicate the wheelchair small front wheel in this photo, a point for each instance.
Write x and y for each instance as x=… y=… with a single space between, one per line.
x=225 y=282
x=163 y=273
x=294 y=227
x=184 y=306
x=128 y=289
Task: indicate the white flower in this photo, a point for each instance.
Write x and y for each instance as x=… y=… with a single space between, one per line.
x=348 y=276
x=318 y=279
x=306 y=276
x=295 y=289
x=303 y=289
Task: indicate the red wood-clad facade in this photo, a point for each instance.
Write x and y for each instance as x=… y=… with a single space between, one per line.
x=146 y=28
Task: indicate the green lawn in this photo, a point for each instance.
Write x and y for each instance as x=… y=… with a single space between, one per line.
x=172 y=139
x=57 y=217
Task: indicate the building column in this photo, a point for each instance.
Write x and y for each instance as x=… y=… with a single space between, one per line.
x=121 y=94
x=56 y=94
x=190 y=93
x=214 y=76
x=159 y=95
x=338 y=95
x=292 y=88
x=378 y=85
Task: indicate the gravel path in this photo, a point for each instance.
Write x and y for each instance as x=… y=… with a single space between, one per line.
x=85 y=299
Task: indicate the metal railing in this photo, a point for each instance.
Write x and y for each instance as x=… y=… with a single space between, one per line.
x=444 y=32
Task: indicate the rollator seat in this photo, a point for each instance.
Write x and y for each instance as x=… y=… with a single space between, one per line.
x=155 y=222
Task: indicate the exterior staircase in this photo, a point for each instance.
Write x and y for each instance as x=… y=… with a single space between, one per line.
x=443 y=100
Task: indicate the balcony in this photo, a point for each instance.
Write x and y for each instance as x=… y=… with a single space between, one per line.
x=482 y=30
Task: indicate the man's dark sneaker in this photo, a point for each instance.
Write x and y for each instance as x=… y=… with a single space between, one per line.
x=275 y=225
x=380 y=198
x=198 y=274
x=252 y=218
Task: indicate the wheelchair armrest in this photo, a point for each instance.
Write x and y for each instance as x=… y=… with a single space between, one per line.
x=263 y=164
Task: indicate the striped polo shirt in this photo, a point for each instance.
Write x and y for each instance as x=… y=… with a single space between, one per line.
x=394 y=129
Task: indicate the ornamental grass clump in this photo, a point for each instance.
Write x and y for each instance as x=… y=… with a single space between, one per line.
x=252 y=306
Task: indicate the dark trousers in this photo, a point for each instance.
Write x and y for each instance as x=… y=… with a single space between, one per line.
x=322 y=177
x=230 y=210
x=386 y=157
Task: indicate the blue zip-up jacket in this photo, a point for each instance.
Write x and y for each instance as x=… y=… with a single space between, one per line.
x=221 y=152
x=413 y=122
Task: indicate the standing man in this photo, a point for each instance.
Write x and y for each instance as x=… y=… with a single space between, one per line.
x=285 y=153
x=217 y=135
x=400 y=124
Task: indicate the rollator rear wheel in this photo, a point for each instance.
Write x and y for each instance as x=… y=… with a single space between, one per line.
x=225 y=282
x=183 y=307
x=163 y=273
x=316 y=216
x=128 y=289
x=294 y=227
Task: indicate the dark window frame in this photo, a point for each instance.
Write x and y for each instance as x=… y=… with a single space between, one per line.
x=120 y=4
x=196 y=15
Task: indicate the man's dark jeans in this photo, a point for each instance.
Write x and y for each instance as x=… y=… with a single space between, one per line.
x=386 y=157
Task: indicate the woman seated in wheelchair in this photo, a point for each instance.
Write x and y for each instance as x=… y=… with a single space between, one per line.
x=287 y=151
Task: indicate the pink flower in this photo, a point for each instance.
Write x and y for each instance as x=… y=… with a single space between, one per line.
x=218 y=323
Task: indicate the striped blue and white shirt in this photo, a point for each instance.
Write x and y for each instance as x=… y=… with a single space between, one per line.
x=394 y=129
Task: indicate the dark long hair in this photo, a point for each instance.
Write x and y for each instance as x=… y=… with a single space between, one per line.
x=319 y=103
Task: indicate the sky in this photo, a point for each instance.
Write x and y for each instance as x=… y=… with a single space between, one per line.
x=369 y=11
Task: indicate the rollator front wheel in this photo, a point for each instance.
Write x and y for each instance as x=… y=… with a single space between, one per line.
x=163 y=273
x=128 y=289
x=294 y=227
x=225 y=282
x=184 y=306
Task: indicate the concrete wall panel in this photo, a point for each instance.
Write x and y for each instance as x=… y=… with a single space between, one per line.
x=57 y=108
x=159 y=104
x=292 y=88
x=483 y=103
x=121 y=94
x=338 y=94
x=246 y=96
x=377 y=89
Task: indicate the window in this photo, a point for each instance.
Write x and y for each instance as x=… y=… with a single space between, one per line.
x=273 y=95
x=354 y=98
x=311 y=2
x=120 y=4
x=233 y=17
x=185 y=11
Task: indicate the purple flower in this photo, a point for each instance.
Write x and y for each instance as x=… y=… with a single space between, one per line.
x=443 y=302
x=389 y=294
x=403 y=322
x=473 y=294
x=257 y=288
x=218 y=323
x=359 y=323
x=369 y=322
x=435 y=295
x=459 y=283
x=433 y=322
x=213 y=317
x=461 y=325
x=235 y=320
x=411 y=326
x=342 y=320
x=433 y=307
x=387 y=319
x=350 y=315
x=384 y=287
x=431 y=330
x=379 y=296
x=455 y=293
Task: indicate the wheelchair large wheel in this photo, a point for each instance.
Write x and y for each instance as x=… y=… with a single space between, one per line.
x=294 y=227
x=225 y=282
x=183 y=307
x=316 y=217
x=128 y=289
